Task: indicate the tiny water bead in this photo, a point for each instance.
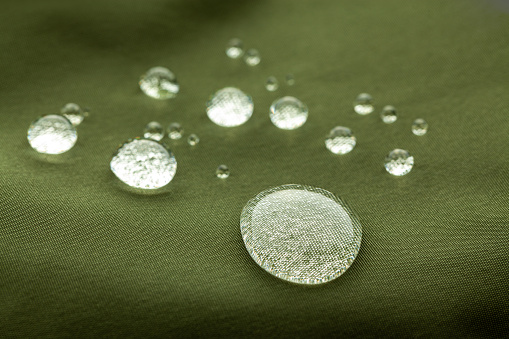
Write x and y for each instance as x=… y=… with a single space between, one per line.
x=419 y=127
x=230 y=107
x=175 y=131
x=73 y=113
x=193 y=139
x=301 y=234
x=144 y=163
x=159 y=83
x=153 y=130
x=389 y=114
x=252 y=57
x=340 y=140
x=222 y=172
x=399 y=162
x=290 y=80
x=235 y=48
x=288 y=113
x=52 y=134
x=271 y=84
x=363 y=104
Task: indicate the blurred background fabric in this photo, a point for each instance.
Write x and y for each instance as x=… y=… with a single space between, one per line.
x=81 y=256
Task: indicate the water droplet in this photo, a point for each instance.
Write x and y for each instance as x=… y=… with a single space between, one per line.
x=73 y=113
x=301 y=234
x=144 y=163
x=419 y=127
x=288 y=113
x=271 y=84
x=229 y=107
x=52 y=134
x=290 y=80
x=159 y=83
x=235 y=48
x=193 y=139
x=175 y=131
x=252 y=57
x=223 y=172
x=153 y=130
x=340 y=140
x=389 y=114
x=363 y=104
x=399 y=162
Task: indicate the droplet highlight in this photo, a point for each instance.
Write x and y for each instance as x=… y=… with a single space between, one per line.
x=175 y=131
x=193 y=140
x=230 y=107
x=290 y=79
x=399 y=162
x=271 y=84
x=340 y=140
x=419 y=127
x=363 y=104
x=73 y=113
x=288 y=113
x=222 y=172
x=235 y=48
x=52 y=134
x=159 y=83
x=153 y=130
x=389 y=114
x=252 y=57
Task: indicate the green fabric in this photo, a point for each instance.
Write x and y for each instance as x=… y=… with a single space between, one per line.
x=81 y=255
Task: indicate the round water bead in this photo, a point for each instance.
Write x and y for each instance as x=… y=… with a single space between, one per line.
x=419 y=127
x=175 y=131
x=290 y=80
x=73 y=113
x=159 y=83
x=229 y=107
x=363 y=104
x=222 y=172
x=340 y=140
x=144 y=163
x=301 y=234
x=252 y=57
x=389 y=114
x=271 y=84
x=288 y=113
x=235 y=48
x=399 y=162
x=52 y=134
x=193 y=139
x=153 y=130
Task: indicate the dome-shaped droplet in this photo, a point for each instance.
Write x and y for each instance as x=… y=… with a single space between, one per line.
x=193 y=140
x=175 y=131
x=363 y=104
x=399 y=162
x=229 y=107
x=252 y=57
x=222 y=172
x=235 y=48
x=389 y=114
x=419 y=127
x=144 y=163
x=340 y=140
x=73 y=113
x=52 y=134
x=271 y=84
x=288 y=113
x=290 y=80
x=159 y=83
x=301 y=234
x=153 y=130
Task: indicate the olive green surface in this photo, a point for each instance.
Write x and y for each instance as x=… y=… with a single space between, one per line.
x=83 y=256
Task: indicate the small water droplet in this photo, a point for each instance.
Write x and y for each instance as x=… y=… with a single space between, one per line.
x=175 y=131
x=252 y=57
x=288 y=113
x=52 y=134
x=290 y=80
x=159 y=83
x=235 y=48
x=340 y=140
x=73 y=113
x=271 y=84
x=222 y=172
x=399 y=162
x=419 y=127
x=363 y=104
x=229 y=107
x=389 y=114
x=153 y=130
x=193 y=139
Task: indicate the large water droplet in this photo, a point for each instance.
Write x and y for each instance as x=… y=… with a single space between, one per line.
x=222 y=172
x=52 y=134
x=399 y=162
x=230 y=107
x=363 y=104
x=340 y=140
x=271 y=84
x=144 y=163
x=252 y=57
x=389 y=114
x=159 y=83
x=288 y=113
x=73 y=113
x=419 y=127
x=153 y=130
x=175 y=131
x=235 y=48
